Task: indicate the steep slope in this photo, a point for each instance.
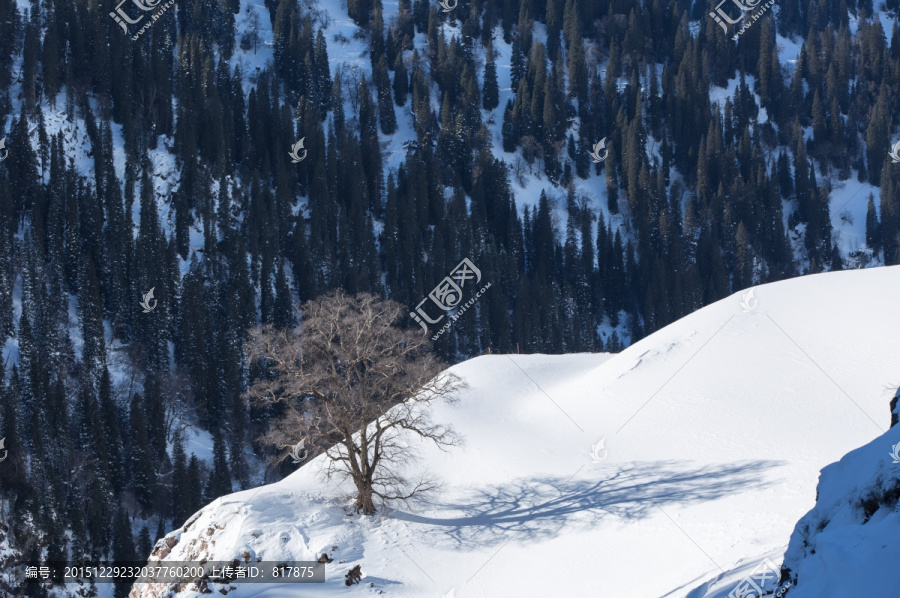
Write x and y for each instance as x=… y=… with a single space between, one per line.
x=716 y=428
x=847 y=544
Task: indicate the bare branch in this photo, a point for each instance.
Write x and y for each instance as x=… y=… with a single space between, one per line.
x=352 y=383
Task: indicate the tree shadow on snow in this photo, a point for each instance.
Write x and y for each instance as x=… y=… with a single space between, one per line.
x=540 y=507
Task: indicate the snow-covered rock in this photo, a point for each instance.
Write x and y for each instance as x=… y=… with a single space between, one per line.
x=849 y=543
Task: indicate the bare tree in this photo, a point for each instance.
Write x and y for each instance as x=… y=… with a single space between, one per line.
x=353 y=382
x=250 y=38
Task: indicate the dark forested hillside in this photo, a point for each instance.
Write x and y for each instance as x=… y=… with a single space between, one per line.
x=161 y=153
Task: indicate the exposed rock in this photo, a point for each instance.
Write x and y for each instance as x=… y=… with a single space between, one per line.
x=894 y=412
x=193 y=519
x=353 y=576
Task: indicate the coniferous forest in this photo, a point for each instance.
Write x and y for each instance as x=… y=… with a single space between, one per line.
x=164 y=162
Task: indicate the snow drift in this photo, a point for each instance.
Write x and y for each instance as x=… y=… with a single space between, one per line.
x=713 y=433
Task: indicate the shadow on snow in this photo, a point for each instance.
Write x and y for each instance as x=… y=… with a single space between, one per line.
x=540 y=507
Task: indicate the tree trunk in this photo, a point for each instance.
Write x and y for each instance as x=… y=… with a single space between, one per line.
x=364 y=502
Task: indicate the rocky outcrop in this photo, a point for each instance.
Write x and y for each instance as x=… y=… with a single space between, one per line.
x=847 y=544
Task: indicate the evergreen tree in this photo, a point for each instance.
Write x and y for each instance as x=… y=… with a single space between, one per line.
x=491 y=93
x=110 y=429
x=140 y=456
x=386 y=115
x=219 y=482
x=243 y=228
x=180 y=482
x=401 y=81
x=144 y=545
x=873 y=230
x=123 y=549
x=161 y=528
x=517 y=62
x=194 y=492
x=154 y=412
x=877 y=137
x=507 y=130
x=283 y=311
x=323 y=75
x=889 y=211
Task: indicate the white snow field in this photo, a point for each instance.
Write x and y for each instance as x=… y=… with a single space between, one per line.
x=714 y=428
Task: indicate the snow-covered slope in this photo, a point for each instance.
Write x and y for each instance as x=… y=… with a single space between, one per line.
x=847 y=545
x=714 y=428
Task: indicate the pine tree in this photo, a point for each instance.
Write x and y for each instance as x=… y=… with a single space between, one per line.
x=744 y=258
x=517 y=62
x=554 y=27
x=386 y=115
x=140 y=456
x=837 y=262
x=194 y=492
x=376 y=27
x=154 y=411
x=405 y=21
x=123 y=549
x=323 y=75
x=889 y=211
x=144 y=545
x=820 y=128
x=370 y=147
x=769 y=67
x=7 y=272
x=109 y=425
x=219 y=482
x=180 y=482
x=873 y=228
x=420 y=15
x=507 y=130
x=161 y=528
x=877 y=136
x=13 y=479
x=283 y=311
x=401 y=81
x=491 y=93
x=94 y=352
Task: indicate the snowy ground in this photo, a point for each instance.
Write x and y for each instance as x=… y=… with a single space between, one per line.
x=715 y=429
